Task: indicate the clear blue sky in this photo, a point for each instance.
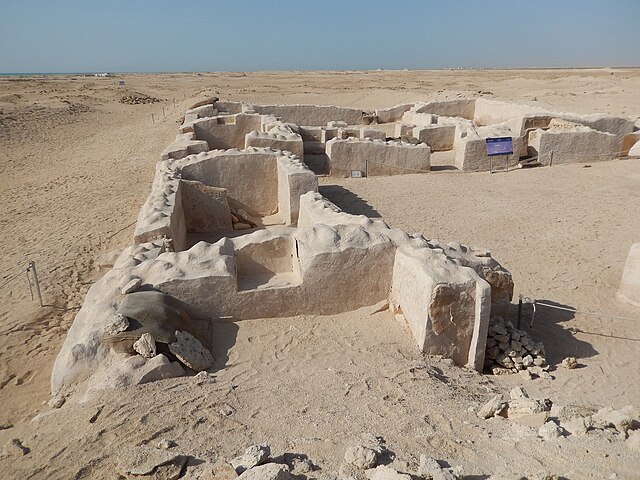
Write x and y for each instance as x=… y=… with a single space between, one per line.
x=236 y=35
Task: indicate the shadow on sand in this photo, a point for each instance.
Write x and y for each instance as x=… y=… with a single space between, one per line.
x=348 y=201
x=223 y=337
x=559 y=341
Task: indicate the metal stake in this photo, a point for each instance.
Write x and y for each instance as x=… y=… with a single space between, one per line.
x=36 y=283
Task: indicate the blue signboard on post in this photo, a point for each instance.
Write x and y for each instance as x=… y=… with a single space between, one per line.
x=499 y=146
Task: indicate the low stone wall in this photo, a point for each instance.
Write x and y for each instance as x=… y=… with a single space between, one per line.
x=289 y=142
x=259 y=181
x=471 y=150
x=376 y=157
x=573 y=145
x=462 y=108
x=438 y=137
x=393 y=114
x=311 y=115
x=185 y=144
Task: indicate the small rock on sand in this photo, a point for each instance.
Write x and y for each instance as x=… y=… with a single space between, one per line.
x=252 y=456
x=145 y=346
x=549 y=431
x=56 y=401
x=365 y=453
x=15 y=448
x=383 y=472
x=570 y=363
x=191 y=352
x=270 y=471
x=430 y=468
x=495 y=406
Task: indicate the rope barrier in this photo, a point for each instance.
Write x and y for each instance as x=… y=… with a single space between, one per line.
x=13 y=277
x=535 y=303
x=32 y=275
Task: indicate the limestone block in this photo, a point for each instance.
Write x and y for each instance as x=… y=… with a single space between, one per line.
x=491 y=112
x=205 y=208
x=191 y=352
x=372 y=133
x=629 y=290
x=225 y=132
x=419 y=119
x=294 y=180
x=573 y=145
x=446 y=307
x=403 y=130
x=617 y=125
x=393 y=114
x=312 y=115
x=471 y=151
x=229 y=107
x=438 y=137
x=315 y=209
x=376 y=157
x=162 y=213
x=249 y=175
x=203 y=111
x=327 y=134
x=630 y=141
x=313 y=134
x=634 y=151
x=289 y=142
x=462 y=108
x=184 y=144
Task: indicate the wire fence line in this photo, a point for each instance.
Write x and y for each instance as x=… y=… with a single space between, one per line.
x=13 y=276
x=535 y=303
x=32 y=279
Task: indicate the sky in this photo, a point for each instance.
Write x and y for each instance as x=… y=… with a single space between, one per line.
x=249 y=35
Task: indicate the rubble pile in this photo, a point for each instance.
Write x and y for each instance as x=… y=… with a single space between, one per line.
x=138 y=99
x=510 y=349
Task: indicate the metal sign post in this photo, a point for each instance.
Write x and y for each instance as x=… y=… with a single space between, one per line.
x=499 y=146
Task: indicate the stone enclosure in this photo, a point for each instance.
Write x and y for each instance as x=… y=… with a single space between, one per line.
x=336 y=140
x=234 y=228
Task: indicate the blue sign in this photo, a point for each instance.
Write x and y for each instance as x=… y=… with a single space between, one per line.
x=499 y=146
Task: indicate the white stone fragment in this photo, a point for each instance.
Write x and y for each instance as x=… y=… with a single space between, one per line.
x=117 y=323
x=145 y=346
x=270 y=471
x=191 y=352
x=493 y=407
x=252 y=456
x=549 y=431
x=383 y=472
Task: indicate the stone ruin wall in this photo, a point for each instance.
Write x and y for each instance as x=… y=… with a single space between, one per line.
x=234 y=228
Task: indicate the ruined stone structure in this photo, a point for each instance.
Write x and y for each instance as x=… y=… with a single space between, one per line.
x=399 y=140
x=234 y=229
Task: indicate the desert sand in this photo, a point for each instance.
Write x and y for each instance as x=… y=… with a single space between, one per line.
x=77 y=165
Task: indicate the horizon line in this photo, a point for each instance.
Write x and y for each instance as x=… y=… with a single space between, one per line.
x=161 y=72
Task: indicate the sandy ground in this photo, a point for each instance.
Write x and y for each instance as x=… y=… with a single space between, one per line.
x=77 y=165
